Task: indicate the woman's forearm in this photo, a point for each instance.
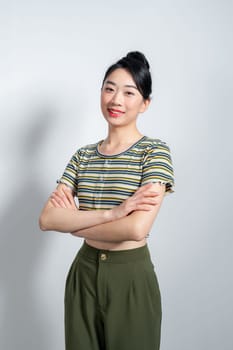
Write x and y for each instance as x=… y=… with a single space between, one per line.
x=133 y=227
x=116 y=231
x=69 y=220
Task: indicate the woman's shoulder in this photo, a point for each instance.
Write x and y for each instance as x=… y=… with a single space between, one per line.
x=154 y=143
x=87 y=149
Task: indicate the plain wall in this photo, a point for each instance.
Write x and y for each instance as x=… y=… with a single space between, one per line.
x=53 y=56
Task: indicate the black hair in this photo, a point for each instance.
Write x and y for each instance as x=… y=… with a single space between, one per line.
x=137 y=65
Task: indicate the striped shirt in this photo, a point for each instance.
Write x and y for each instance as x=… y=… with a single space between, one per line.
x=103 y=181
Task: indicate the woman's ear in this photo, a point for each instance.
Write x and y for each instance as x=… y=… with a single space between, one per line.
x=145 y=105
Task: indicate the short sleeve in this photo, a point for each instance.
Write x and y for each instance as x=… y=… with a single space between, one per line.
x=69 y=176
x=158 y=167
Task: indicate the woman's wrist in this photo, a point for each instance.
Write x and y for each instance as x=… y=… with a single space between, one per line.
x=110 y=215
x=116 y=213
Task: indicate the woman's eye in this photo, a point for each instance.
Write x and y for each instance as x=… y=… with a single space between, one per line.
x=129 y=93
x=108 y=89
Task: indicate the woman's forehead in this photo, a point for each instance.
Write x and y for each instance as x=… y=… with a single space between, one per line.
x=120 y=76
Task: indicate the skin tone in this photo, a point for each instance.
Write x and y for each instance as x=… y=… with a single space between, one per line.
x=127 y=225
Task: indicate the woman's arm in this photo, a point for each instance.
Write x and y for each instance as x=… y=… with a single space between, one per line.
x=61 y=214
x=132 y=227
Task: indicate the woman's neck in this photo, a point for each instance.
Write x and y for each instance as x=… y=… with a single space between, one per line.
x=122 y=136
x=118 y=141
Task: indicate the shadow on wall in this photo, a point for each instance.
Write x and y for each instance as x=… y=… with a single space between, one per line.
x=22 y=245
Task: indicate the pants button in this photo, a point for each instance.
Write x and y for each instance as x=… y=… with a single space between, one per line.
x=103 y=256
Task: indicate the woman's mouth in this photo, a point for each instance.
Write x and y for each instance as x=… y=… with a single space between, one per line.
x=115 y=112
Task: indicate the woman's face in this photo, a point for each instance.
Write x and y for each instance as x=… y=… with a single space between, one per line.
x=121 y=102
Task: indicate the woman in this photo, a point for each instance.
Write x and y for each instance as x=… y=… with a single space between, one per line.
x=112 y=297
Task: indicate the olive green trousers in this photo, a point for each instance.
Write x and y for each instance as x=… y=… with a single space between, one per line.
x=112 y=301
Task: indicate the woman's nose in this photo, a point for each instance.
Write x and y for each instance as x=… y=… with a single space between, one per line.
x=117 y=98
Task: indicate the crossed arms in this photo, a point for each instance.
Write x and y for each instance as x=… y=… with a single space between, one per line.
x=131 y=220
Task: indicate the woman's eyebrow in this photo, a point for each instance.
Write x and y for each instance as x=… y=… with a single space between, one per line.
x=110 y=82
x=127 y=85
x=131 y=86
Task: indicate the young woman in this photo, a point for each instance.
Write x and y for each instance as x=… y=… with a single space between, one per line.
x=112 y=297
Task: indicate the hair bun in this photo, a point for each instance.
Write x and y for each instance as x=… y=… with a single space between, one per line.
x=138 y=56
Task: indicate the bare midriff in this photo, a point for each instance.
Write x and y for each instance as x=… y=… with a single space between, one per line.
x=117 y=245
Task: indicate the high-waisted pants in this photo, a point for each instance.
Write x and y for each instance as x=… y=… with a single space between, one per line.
x=112 y=301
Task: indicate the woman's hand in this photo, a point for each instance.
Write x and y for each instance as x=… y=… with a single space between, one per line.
x=63 y=199
x=143 y=199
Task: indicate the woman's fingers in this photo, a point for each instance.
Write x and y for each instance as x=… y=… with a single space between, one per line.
x=60 y=200
x=144 y=207
x=63 y=199
x=69 y=196
x=146 y=191
x=57 y=202
x=143 y=199
x=148 y=200
x=146 y=187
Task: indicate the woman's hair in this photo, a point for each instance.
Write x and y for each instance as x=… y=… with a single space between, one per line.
x=137 y=65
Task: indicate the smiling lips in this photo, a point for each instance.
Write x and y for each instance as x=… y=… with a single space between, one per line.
x=115 y=112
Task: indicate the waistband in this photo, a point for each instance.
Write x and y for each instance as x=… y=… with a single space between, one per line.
x=114 y=256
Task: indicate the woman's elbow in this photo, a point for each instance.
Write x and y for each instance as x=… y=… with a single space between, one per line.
x=42 y=225
x=43 y=222
x=139 y=231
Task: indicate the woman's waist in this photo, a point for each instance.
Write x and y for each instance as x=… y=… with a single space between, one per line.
x=114 y=256
x=115 y=246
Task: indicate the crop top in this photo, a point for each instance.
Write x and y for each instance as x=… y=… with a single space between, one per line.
x=104 y=181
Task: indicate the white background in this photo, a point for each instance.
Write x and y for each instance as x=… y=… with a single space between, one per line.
x=53 y=56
